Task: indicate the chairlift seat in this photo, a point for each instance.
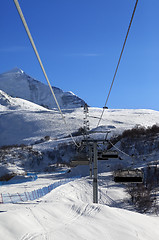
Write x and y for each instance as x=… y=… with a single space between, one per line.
x=110 y=154
x=102 y=158
x=80 y=159
x=107 y=155
x=128 y=176
x=75 y=163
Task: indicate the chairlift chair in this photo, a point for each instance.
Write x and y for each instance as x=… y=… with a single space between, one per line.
x=106 y=155
x=75 y=163
x=80 y=159
x=128 y=176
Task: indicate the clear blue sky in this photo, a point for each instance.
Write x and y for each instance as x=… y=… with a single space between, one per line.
x=79 y=42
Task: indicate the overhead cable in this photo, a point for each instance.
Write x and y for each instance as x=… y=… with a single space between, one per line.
x=105 y=106
x=41 y=65
x=119 y=149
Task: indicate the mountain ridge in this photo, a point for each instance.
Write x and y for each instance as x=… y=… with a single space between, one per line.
x=17 y=83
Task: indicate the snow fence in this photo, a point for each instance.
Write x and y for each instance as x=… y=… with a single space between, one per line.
x=33 y=195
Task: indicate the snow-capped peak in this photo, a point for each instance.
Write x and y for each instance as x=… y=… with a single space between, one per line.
x=14 y=70
x=18 y=84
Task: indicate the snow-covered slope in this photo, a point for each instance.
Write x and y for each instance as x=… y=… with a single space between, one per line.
x=9 y=103
x=68 y=213
x=31 y=123
x=18 y=84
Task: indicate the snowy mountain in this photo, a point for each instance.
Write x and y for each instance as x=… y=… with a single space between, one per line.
x=18 y=84
x=29 y=209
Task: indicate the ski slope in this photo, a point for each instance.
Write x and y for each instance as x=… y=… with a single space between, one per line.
x=29 y=122
x=68 y=213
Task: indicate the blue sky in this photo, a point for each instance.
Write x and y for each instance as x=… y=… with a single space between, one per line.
x=80 y=41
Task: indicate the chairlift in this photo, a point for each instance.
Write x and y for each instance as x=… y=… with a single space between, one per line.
x=106 y=155
x=75 y=163
x=81 y=159
x=102 y=157
x=129 y=176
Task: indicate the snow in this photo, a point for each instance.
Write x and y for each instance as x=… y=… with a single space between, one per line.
x=9 y=103
x=15 y=70
x=35 y=91
x=32 y=122
x=67 y=212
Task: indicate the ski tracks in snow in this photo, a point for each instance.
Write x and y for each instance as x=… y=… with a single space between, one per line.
x=33 y=236
x=73 y=213
x=65 y=213
x=41 y=235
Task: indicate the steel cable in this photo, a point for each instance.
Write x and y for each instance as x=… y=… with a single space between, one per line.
x=41 y=65
x=118 y=62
